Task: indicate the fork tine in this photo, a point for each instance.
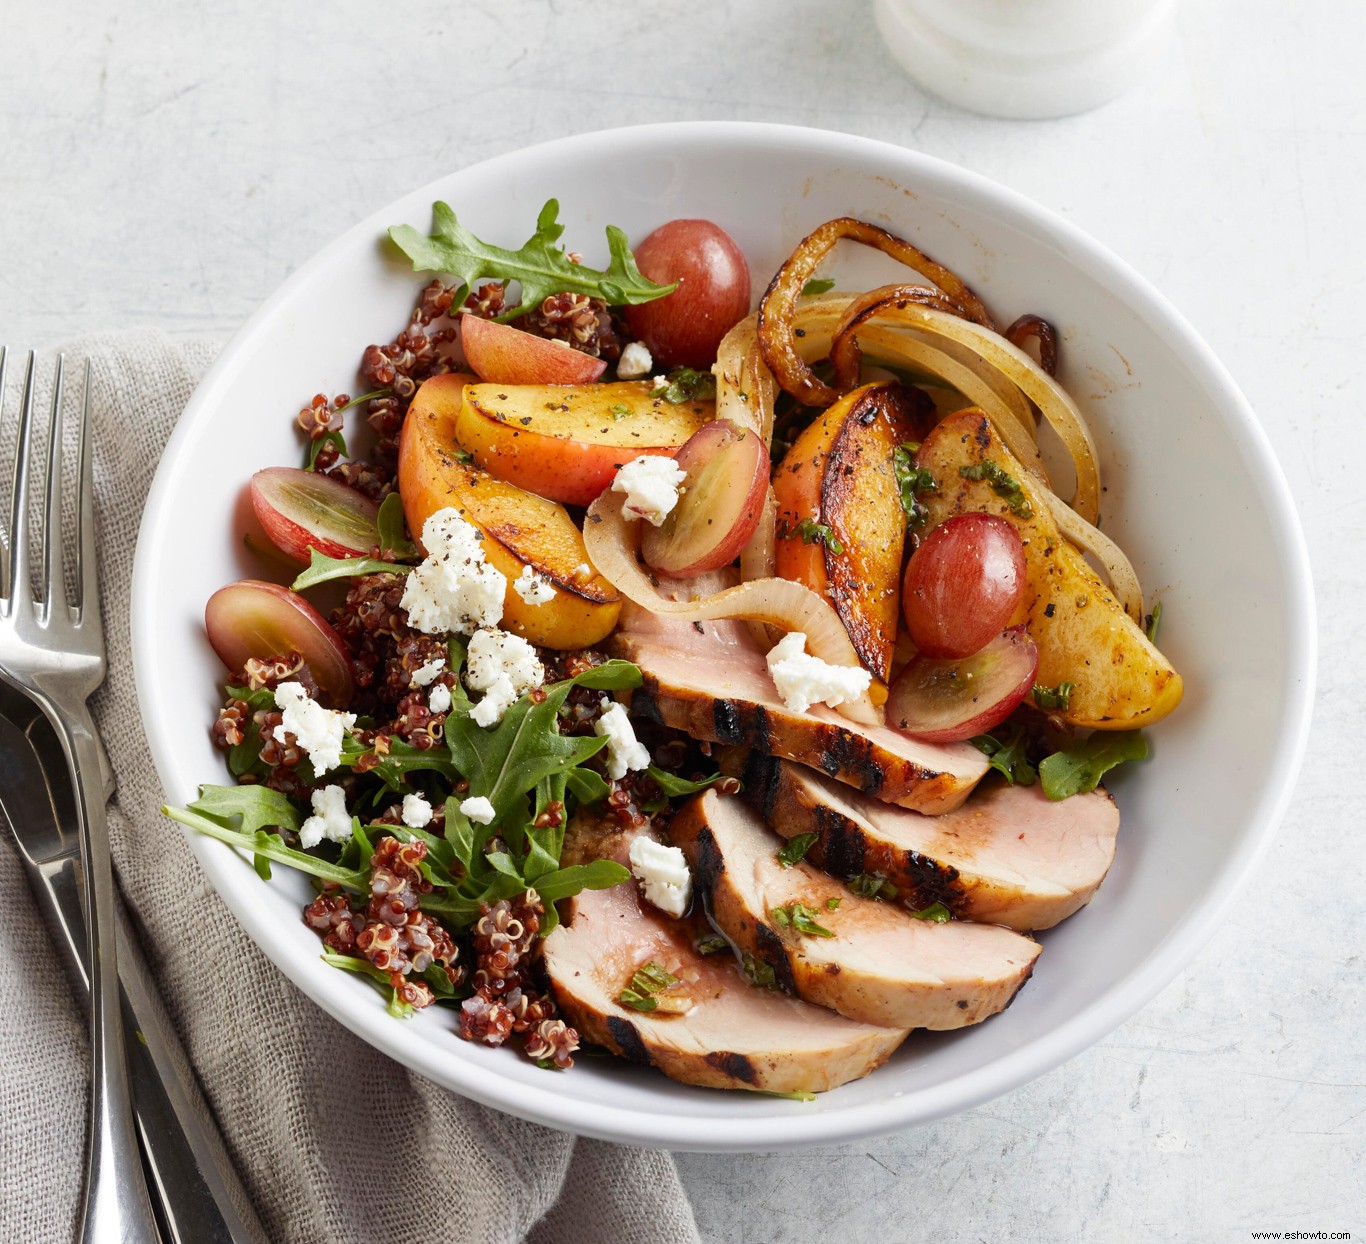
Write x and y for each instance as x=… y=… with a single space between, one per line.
x=54 y=560
x=18 y=576
x=87 y=584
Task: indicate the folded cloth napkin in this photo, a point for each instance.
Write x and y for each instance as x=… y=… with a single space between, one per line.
x=334 y=1142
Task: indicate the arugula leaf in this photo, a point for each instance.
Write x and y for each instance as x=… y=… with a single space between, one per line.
x=258 y=807
x=587 y=786
x=1007 y=756
x=936 y=913
x=1054 y=698
x=362 y=967
x=795 y=849
x=675 y=787
x=567 y=882
x=333 y=438
x=1154 y=622
x=1003 y=484
x=684 y=384
x=817 y=285
x=1079 y=768
x=912 y=482
x=322 y=568
x=402 y=758
x=800 y=917
x=540 y=267
x=393 y=534
x=245 y=757
x=271 y=846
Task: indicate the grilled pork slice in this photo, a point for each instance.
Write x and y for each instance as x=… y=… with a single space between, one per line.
x=1008 y=856
x=868 y=960
x=714 y=1028
x=712 y=681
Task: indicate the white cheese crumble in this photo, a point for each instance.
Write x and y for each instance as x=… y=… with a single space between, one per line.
x=428 y=672
x=803 y=680
x=439 y=701
x=320 y=731
x=624 y=753
x=417 y=812
x=479 y=810
x=535 y=589
x=330 y=818
x=635 y=362
x=503 y=667
x=583 y=571
x=454 y=589
x=663 y=874
x=651 y=484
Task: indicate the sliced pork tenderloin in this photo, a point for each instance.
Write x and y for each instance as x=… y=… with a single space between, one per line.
x=878 y=963
x=710 y=680
x=1008 y=856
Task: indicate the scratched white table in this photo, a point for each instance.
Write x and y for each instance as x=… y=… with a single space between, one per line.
x=167 y=165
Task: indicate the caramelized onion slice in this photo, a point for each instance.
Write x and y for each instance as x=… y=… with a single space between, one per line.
x=845 y=354
x=611 y=544
x=1041 y=331
x=776 y=327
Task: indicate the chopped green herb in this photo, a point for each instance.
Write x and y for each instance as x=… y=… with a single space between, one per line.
x=619 y=410
x=1154 y=622
x=1079 y=768
x=1007 y=756
x=795 y=849
x=871 y=885
x=936 y=913
x=913 y=482
x=684 y=384
x=759 y=972
x=646 y=982
x=812 y=532
x=800 y=917
x=832 y=904
x=1003 y=484
x=540 y=267
x=462 y=456
x=710 y=944
x=817 y=285
x=1054 y=698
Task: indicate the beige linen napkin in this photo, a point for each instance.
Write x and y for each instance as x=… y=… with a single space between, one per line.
x=334 y=1142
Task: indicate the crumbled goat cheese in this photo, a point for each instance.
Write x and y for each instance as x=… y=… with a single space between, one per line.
x=635 y=362
x=454 y=589
x=624 y=753
x=320 y=731
x=651 y=484
x=663 y=874
x=503 y=667
x=330 y=818
x=479 y=810
x=803 y=680
x=583 y=571
x=417 y=812
x=428 y=673
x=439 y=701
x=533 y=588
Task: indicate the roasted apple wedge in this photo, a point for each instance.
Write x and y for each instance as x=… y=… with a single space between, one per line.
x=869 y=960
x=522 y=529
x=1120 y=680
x=718 y=1030
x=841 y=526
x=566 y=442
x=1009 y=856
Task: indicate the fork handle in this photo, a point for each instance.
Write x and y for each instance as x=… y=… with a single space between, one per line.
x=117 y=1209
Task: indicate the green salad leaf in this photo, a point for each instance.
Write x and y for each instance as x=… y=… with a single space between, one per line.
x=539 y=266
x=322 y=569
x=1007 y=756
x=1079 y=768
x=393 y=532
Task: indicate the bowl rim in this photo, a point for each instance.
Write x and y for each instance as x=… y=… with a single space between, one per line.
x=790 y=1129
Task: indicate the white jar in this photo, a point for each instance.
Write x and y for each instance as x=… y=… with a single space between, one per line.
x=1026 y=58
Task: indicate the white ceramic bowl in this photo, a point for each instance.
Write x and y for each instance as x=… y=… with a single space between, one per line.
x=1195 y=496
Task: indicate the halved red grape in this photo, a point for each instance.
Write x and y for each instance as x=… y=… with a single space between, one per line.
x=722 y=499
x=257 y=619
x=962 y=585
x=946 y=701
x=684 y=328
x=302 y=510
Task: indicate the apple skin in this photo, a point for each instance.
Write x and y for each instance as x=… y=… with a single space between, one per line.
x=566 y=442
x=253 y=618
x=273 y=490
x=521 y=529
x=501 y=354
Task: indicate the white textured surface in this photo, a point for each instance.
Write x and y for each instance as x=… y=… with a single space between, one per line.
x=168 y=166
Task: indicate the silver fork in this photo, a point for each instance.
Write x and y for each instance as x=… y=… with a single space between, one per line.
x=53 y=652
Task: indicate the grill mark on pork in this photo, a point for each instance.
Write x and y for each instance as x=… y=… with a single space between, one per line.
x=645 y=700
x=771 y=948
x=737 y=1066
x=627 y=1040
